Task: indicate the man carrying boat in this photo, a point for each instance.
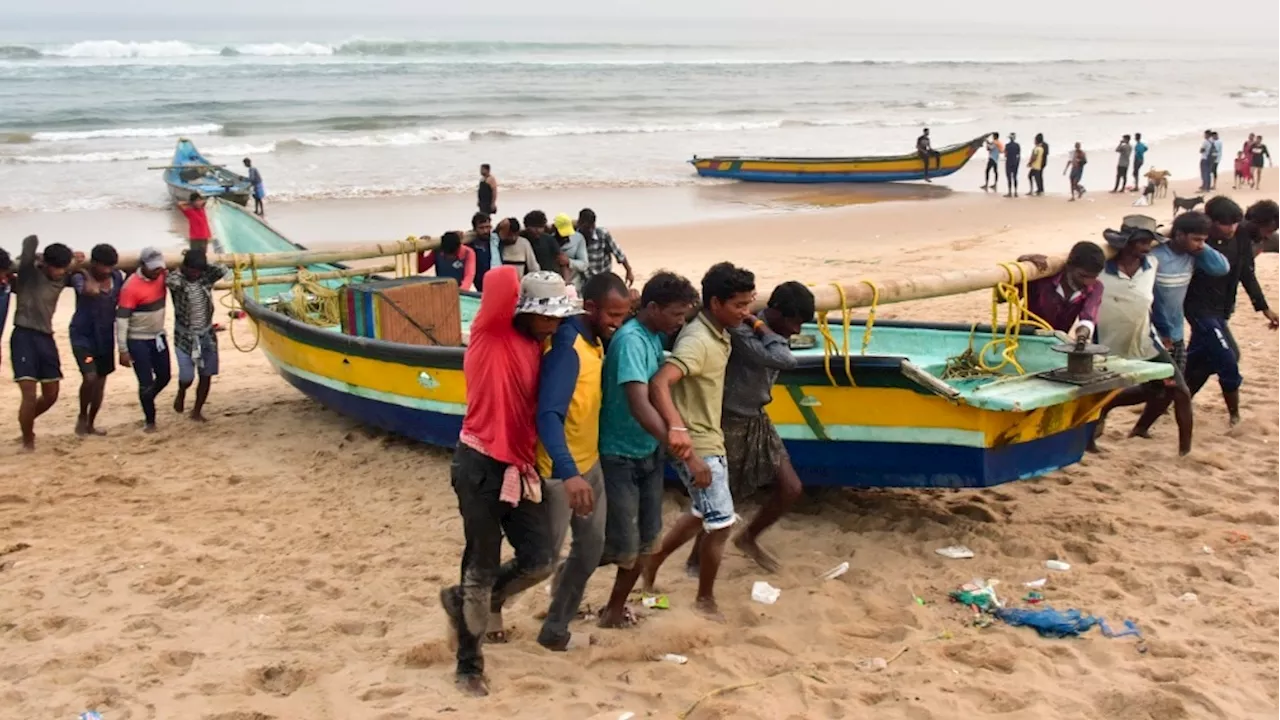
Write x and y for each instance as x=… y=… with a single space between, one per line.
x=485 y=245
x=451 y=260
x=194 y=342
x=633 y=433
x=1124 y=321
x=688 y=392
x=140 y=331
x=1176 y=261
x=499 y=492
x=32 y=350
x=93 y=331
x=1211 y=300
x=1069 y=300
x=602 y=250
x=569 y=400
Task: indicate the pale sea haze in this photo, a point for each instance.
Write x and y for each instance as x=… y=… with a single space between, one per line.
x=407 y=108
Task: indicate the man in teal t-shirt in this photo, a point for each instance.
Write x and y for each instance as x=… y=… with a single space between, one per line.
x=630 y=429
x=1139 y=155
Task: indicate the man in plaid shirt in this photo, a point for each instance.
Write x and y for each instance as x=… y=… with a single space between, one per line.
x=194 y=341
x=601 y=249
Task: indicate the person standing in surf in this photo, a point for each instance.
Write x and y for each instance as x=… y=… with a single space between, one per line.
x=487 y=193
x=1075 y=165
x=259 y=191
x=1012 y=159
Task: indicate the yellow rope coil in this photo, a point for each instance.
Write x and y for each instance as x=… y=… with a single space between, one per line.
x=1013 y=293
x=829 y=344
x=236 y=305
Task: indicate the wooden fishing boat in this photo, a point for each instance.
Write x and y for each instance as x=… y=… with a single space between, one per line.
x=836 y=169
x=191 y=172
x=883 y=418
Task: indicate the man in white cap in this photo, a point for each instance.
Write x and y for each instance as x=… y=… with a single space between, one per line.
x=499 y=492
x=140 y=331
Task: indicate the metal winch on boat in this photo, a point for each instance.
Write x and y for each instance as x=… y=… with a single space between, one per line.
x=1081 y=367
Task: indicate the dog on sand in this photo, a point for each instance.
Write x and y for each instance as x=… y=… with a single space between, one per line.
x=1160 y=179
x=1186 y=204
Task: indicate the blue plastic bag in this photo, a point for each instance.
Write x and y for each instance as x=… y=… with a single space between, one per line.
x=1056 y=624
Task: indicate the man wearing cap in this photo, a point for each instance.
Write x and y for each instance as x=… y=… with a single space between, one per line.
x=569 y=401
x=499 y=492
x=194 y=342
x=1124 y=321
x=575 y=260
x=140 y=331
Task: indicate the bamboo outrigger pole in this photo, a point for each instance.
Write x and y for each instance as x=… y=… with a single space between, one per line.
x=918 y=287
x=303 y=258
x=290 y=278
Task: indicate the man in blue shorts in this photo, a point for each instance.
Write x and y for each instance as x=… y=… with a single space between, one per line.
x=688 y=392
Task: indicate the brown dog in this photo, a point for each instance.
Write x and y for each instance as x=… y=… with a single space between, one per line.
x=1160 y=179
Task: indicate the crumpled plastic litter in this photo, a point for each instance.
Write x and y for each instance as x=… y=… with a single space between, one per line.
x=1059 y=624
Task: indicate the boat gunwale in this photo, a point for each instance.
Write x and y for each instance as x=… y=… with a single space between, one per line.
x=242 y=189
x=970 y=146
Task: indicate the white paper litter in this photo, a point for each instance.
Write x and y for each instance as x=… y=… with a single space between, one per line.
x=763 y=592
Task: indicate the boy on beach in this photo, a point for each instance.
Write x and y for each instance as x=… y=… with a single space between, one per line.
x=1124 y=151
x=32 y=350
x=499 y=492
x=1035 y=172
x=140 y=331
x=569 y=401
x=688 y=392
x=1244 y=171
x=93 y=331
x=194 y=342
x=1069 y=300
x=1139 y=156
x=1075 y=165
x=991 y=176
x=1211 y=300
x=632 y=434
x=198 y=232
x=1177 y=260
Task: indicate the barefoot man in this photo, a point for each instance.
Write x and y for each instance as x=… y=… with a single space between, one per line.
x=688 y=392
x=631 y=435
x=32 y=350
x=93 y=331
x=499 y=493
x=194 y=342
x=757 y=457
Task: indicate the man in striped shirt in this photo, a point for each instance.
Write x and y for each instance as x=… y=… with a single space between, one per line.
x=601 y=248
x=194 y=342
x=140 y=331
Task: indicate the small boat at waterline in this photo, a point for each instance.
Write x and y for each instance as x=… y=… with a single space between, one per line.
x=837 y=169
x=190 y=173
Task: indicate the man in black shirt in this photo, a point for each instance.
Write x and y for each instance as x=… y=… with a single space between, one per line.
x=1261 y=221
x=924 y=148
x=1211 y=301
x=1012 y=158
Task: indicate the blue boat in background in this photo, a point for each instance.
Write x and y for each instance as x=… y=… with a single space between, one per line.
x=190 y=173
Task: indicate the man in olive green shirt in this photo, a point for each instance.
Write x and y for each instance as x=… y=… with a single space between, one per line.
x=687 y=392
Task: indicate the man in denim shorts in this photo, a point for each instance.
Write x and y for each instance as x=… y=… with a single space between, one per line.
x=631 y=433
x=688 y=392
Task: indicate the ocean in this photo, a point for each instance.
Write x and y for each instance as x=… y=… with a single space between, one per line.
x=394 y=109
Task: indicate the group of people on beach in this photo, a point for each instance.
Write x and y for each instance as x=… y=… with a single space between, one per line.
x=116 y=316
x=573 y=406
x=1139 y=302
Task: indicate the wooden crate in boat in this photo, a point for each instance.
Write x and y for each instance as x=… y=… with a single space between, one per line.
x=414 y=311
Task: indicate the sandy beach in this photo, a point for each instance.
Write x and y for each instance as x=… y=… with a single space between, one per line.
x=282 y=562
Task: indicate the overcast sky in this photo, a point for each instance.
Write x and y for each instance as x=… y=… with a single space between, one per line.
x=1140 y=17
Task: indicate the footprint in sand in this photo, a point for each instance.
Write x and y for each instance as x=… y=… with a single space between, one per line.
x=281 y=679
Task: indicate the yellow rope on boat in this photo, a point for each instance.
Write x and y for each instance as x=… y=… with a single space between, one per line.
x=1012 y=293
x=871 y=314
x=237 y=298
x=313 y=302
x=829 y=344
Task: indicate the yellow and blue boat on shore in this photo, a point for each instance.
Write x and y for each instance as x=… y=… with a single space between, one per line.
x=836 y=169
x=884 y=417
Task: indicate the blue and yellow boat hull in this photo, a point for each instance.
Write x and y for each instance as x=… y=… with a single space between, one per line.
x=836 y=170
x=874 y=426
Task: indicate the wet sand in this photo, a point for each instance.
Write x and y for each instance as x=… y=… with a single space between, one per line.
x=283 y=562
